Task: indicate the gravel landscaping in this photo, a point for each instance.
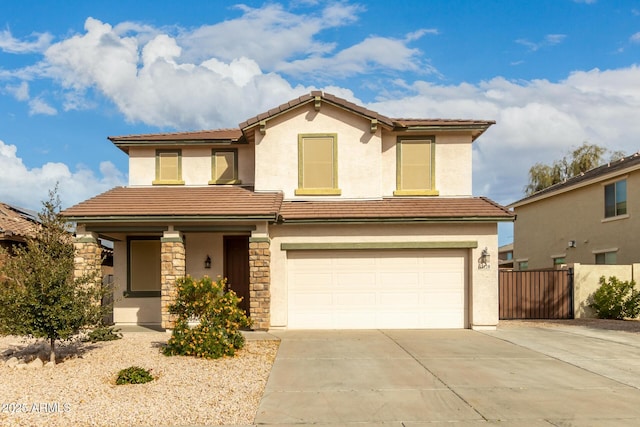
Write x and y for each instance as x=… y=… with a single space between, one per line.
x=80 y=390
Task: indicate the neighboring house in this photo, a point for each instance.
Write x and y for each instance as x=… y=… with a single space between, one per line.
x=16 y=225
x=505 y=256
x=321 y=214
x=593 y=218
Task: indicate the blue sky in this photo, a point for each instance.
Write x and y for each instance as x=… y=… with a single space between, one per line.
x=552 y=73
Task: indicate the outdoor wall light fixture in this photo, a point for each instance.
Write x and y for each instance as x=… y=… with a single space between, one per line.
x=207 y=262
x=484 y=261
x=572 y=243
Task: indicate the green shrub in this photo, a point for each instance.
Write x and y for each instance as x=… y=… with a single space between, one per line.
x=616 y=299
x=219 y=319
x=134 y=375
x=103 y=333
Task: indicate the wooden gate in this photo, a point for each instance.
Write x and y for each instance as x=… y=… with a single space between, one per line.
x=536 y=294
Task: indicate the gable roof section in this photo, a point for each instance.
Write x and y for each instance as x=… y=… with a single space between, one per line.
x=396 y=209
x=16 y=223
x=179 y=203
x=216 y=136
x=601 y=173
x=239 y=135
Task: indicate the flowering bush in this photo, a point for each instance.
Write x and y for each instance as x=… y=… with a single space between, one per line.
x=219 y=319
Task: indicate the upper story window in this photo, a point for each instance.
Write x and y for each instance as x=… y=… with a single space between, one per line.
x=318 y=164
x=415 y=167
x=224 y=167
x=168 y=167
x=610 y=257
x=615 y=199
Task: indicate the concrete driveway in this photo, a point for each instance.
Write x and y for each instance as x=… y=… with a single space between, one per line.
x=510 y=377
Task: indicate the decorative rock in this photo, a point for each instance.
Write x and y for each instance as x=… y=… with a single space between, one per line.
x=49 y=365
x=35 y=364
x=21 y=366
x=11 y=363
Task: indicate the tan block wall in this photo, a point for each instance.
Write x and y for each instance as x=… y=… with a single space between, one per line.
x=586 y=280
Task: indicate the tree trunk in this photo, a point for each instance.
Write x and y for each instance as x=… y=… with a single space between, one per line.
x=52 y=354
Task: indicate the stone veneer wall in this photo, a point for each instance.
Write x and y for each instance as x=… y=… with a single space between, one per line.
x=173 y=267
x=88 y=256
x=259 y=282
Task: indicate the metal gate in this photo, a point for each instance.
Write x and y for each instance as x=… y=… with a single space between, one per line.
x=536 y=294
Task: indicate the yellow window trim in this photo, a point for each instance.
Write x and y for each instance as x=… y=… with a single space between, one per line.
x=167 y=182
x=235 y=179
x=318 y=192
x=158 y=180
x=301 y=190
x=416 y=192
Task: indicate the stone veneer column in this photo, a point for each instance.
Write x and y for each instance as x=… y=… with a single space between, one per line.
x=259 y=282
x=87 y=255
x=173 y=257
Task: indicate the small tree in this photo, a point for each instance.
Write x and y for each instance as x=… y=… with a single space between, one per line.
x=39 y=296
x=585 y=157
x=616 y=299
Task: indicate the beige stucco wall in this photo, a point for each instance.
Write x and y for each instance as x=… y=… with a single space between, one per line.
x=366 y=161
x=586 y=280
x=196 y=164
x=452 y=159
x=543 y=229
x=147 y=310
x=358 y=151
x=482 y=284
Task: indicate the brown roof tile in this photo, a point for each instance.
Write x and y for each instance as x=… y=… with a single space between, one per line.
x=395 y=208
x=326 y=97
x=178 y=201
x=203 y=135
x=16 y=223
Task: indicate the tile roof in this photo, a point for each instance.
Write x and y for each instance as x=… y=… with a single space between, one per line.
x=17 y=223
x=237 y=134
x=213 y=135
x=628 y=162
x=238 y=203
x=324 y=97
x=212 y=201
x=407 y=208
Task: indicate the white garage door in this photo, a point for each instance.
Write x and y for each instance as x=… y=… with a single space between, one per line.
x=377 y=289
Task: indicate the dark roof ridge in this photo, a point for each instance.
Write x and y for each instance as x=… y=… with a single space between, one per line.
x=611 y=166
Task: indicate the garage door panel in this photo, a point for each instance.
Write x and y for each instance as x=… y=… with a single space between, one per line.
x=377 y=289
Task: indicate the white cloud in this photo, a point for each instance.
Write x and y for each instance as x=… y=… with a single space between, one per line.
x=10 y=44
x=39 y=106
x=25 y=187
x=635 y=38
x=20 y=92
x=549 y=40
x=537 y=121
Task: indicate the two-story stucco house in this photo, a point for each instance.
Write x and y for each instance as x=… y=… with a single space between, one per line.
x=321 y=214
x=588 y=219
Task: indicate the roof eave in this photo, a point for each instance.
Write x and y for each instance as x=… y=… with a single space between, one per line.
x=490 y=219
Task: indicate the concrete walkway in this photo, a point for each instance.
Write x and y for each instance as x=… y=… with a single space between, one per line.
x=511 y=377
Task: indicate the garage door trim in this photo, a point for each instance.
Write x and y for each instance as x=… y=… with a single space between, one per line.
x=468 y=244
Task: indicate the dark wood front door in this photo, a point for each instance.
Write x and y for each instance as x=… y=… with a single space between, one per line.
x=236 y=267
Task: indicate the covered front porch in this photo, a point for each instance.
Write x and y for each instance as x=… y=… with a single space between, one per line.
x=161 y=239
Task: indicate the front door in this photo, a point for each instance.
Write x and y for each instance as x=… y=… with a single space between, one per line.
x=236 y=267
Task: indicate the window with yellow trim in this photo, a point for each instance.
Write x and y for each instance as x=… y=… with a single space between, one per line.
x=168 y=167
x=415 y=173
x=317 y=165
x=224 y=167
